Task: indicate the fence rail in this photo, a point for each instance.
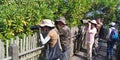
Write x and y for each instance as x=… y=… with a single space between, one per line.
x=27 y=48
x=8 y=58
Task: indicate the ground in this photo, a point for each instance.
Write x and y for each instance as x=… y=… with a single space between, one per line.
x=100 y=56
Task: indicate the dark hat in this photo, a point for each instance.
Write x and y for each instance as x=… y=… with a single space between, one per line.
x=61 y=19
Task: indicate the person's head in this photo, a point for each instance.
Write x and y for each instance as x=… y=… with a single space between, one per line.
x=112 y=24
x=46 y=24
x=99 y=20
x=93 y=23
x=61 y=21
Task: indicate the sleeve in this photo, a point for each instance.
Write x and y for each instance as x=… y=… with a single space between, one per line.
x=44 y=40
x=67 y=33
x=59 y=42
x=85 y=29
x=91 y=30
x=109 y=32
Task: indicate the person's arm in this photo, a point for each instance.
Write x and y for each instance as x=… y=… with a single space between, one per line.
x=89 y=28
x=44 y=40
x=109 y=32
x=98 y=28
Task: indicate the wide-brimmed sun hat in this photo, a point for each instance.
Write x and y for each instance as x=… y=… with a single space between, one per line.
x=47 y=22
x=61 y=19
x=93 y=22
x=112 y=24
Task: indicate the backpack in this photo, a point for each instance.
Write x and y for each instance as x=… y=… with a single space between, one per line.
x=103 y=32
x=114 y=35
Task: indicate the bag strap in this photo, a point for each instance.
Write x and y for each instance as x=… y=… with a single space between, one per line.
x=59 y=43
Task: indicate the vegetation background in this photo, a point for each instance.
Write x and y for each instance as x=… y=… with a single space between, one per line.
x=16 y=16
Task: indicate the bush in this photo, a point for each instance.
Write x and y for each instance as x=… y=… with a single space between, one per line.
x=16 y=16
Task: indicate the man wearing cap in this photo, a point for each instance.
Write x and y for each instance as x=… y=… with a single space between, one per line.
x=90 y=34
x=110 y=42
x=50 y=40
x=65 y=36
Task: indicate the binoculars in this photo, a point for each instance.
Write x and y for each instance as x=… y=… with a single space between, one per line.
x=85 y=21
x=35 y=27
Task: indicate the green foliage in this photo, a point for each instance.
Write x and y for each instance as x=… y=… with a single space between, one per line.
x=16 y=16
x=108 y=9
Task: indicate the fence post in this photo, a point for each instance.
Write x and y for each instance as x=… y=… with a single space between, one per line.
x=13 y=51
x=2 y=52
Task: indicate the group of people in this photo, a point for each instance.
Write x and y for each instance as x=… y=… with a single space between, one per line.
x=94 y=32
x=56 y=36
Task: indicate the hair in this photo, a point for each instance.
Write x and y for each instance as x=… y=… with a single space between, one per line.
x=101 y=19
x=51 y=27
x=56 y=22
x=45 y=32
x=112 y=26
x=94 y=24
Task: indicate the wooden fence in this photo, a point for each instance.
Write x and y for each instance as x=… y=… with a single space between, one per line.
x=27 y=48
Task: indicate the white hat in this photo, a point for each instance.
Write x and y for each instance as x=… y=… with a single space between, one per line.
x=112 y=24
x=93 y=21
x=47 y=22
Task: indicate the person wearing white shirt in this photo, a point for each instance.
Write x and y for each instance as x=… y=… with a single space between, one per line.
x=110 y=43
